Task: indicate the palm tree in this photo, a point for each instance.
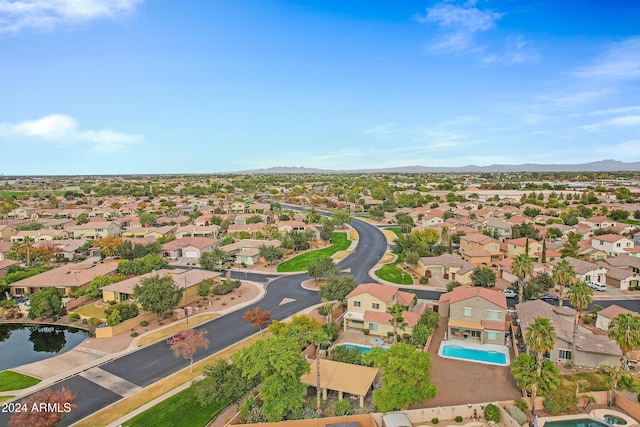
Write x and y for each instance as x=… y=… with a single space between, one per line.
x=580 y=296
x=397 y=319
x=525 y=372
x=319 y=339
x=522 y=267
x=541 y=337
x=563 y=275
x=614 y=375
x=624 y=329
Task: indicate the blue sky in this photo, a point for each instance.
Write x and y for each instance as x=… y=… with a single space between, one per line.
x=159 y=86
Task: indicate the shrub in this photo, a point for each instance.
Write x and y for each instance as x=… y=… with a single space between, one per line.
x=144 y=323
x=492 y=413
x=226 y=287
x=424 y=280
x=458 y=419
x=8 y=303
x=522 y=405
x=74 y=316
x=435 y=420
x=85 y=321
x=342 y=407
x=94 y=321
x=560 y=401
x=365 y=331
x=390 y=334
x=120 y=312
x=587 y=320
x=134 y=334
x=332 y=330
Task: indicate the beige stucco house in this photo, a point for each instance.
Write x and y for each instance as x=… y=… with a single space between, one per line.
x=475 y=314
x=367 y=309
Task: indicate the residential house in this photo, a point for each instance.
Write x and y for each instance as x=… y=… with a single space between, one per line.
x=367 y=308
x=23 y=213
x=505 y=270
x=291 y=226
x=596 y=222
x=611 y=244
x=188 y=247
x=64 y=249
x=65 y=278
x=185 y=279
x=236 y=207
x=519 y=246
x=475 y=314
x=40 y=235
x=447 y=266
x=592 y=350
x=164 y=231
x=608 y=313
x=61 y=213
x=5 y=266
x=636 y=239
x=500 y=228
x=252 y=229
x=198 y=231
x=622 y=278
x=5 y=248
x=627 y=262
x=431 y=220
x=248 y=250
x=6 y=231
x=259 y=207
x=585 y=270
x=479 y=249
x=95 y=230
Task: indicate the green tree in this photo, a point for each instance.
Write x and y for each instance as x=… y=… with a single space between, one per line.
x=405 y=222
x=279 y=363
x=522 y=267
x=484 y=277
x=525 y=229
x=540 y=337
x=624 y=329
x=157 y=294
x=204 y=288
x=406 y=377
x=411 y=258
x=452 y=285
x=326 y=231
x=146 y=219
x=95 y=285
x=340 y=218
x=338 y=286
x=571 y=247
x=580 y=296
x=271 y=253
x=563 y=275
x=214 y=259
x=618 y=215
x=46 y=303
x=320 y=267
x=222 y=382
x=525 y=372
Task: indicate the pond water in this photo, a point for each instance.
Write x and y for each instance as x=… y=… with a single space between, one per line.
x=21 y=344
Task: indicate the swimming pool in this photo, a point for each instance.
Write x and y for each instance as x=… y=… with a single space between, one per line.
x=363 y=349
x=487 y=353
x=580 y=422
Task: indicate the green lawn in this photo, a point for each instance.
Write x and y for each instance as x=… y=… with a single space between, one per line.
x=395 y=230
x=302 y=261
x=391 y=273
x=181 y=409
x=10 y=380
x=93 y=310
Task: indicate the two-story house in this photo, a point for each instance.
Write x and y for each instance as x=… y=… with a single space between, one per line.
x=521 y=245
x=367 y=309
x=479 y=249
x=500 y=228
x=95 y=230
x=611 y=244
x=475 y=314
x=585 y=270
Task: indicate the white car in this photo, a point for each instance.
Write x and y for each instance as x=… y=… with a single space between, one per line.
x=596 y=285
x=509 y=293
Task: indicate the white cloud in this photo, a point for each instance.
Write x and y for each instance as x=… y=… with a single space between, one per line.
x=622 y=121
x=64 y=130
x=624 y=150
x=459 y=25
x=48 y=14
x=383 y=132
x=630 y=109
x=620 y=61
x=517 y=51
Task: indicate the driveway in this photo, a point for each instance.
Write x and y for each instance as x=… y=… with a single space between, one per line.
x=459 y=382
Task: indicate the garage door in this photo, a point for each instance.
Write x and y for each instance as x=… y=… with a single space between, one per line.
x=191 y=254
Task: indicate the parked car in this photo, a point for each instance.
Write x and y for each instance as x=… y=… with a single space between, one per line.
x=177 y=337
x=596 y=285
x=509 y=293
x=548 y=297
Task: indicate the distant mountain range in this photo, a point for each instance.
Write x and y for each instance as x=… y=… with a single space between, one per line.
x=599 y=166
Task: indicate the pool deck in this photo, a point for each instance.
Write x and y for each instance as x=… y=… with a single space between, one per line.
x=596 y=414
x=474 y=346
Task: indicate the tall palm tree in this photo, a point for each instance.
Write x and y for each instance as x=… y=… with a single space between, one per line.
x=624 y=329
x=580 y=296
x=319 y=339
x=522 y=267
x=397 y=319
x=525 y=371
x=563 y=275
x=541 y=337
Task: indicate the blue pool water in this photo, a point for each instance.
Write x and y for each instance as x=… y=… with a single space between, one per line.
x=363 y=349
x=581 y=422
x=457 y=352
